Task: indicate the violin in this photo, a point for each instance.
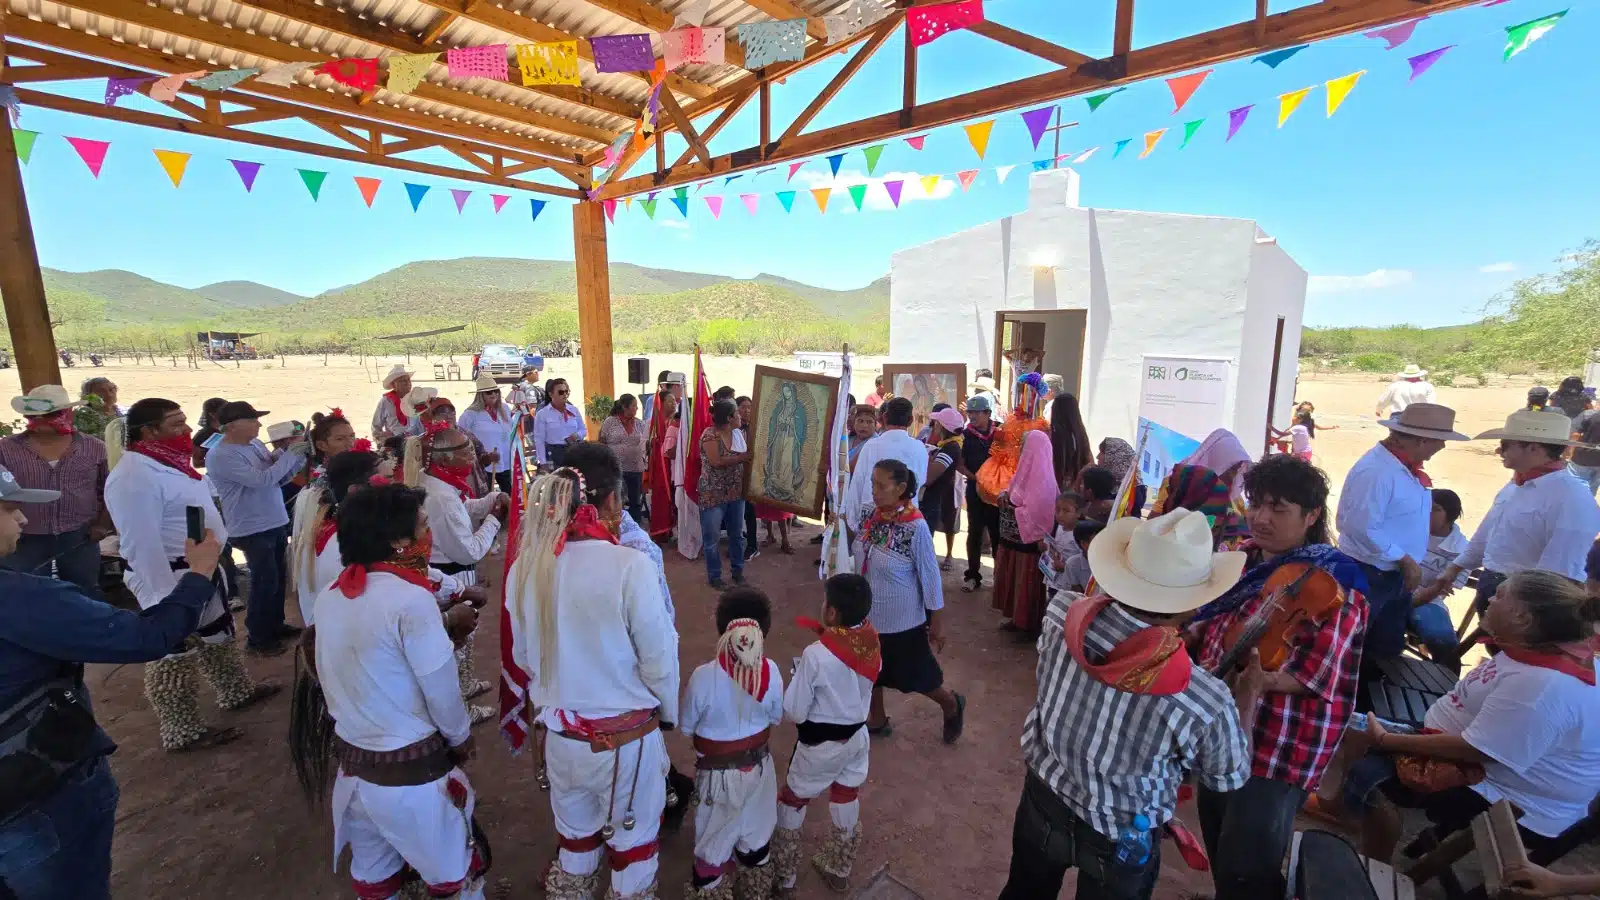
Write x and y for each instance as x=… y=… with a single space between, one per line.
x=1297 y=593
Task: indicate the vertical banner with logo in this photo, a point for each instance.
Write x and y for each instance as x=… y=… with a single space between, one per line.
x=1188 y=394
x=1160 y=449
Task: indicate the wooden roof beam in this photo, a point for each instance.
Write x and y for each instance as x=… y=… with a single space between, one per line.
x=842 y=78
x=1027 y=43
x=721 y=121
x=1315 y=22
x=685 y=127
x=567 y=160
x=646 y=16
x=178 y=25
x=785 y=9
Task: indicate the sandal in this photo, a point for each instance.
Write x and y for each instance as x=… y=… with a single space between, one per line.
x=954 y=725
x=945 y=566
x=211 y=737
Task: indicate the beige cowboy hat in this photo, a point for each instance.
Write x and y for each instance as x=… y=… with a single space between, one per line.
x=485 y=382
x=419 y=396
x=1413 y=370
x=44 y=400
x=1428 y=420
x=396 y=372
x=981 y=384
x=282 y=431
x=1163 y=565
x=1534 y=427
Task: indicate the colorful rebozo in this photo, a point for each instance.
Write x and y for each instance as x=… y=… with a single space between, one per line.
x=1027 y=401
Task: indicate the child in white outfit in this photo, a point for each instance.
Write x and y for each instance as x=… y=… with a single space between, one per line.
x=828 y=700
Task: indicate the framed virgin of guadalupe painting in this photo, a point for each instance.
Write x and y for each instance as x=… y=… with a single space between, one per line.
x=793 y=414
x=926 y=385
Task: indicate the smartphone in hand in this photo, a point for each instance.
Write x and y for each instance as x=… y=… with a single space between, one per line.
x=195 y=518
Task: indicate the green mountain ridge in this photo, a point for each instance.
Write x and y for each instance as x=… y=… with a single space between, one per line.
x=248 y=294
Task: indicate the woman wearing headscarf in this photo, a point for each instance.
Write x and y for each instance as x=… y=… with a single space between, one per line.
x=1222 y=453
x=1070 y=440
x=1027 y=509
x=1202 y=490
x=1117 y=456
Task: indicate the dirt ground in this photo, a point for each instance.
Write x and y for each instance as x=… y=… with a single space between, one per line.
x=232 y=822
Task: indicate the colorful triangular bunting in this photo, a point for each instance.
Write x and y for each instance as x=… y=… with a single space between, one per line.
x=978 y=136
x=1288 y=103
x=1151 y=138
x=24 y=140
x=460 y=196
x=92 y=152
x=714 y=203
x=368 y=188
x=834 y=162
x=787 y=199
x=1276 y=57
x=858 y=193
x=1039 y=165
x=1037 y=121
x=967 y=178
x=1120 y=146
x=930 y=184
x=821 y=196
x=1000 y=173
x=313 y=179
x=538 y=207
x=649 y=207
x=681 y=201
x=751 y=201
x=872 y=153
x=894 y=188
x=1422 y=62
x=610 y=206
x=174 y=163
x=416 y=192
x=499 y=201
x=247 y=172
x=1236 y=119
x=1095 y=101
x=1395 y=35
x=1189 y=128
x=917 y=141
x=1340 y=88
x=793 y=168
x=1184 y=86
x=1518 y=37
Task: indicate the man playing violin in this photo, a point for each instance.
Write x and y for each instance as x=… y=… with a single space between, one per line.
x=1296 y=688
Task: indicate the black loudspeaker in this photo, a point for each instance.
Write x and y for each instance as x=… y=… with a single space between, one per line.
x=638 y=370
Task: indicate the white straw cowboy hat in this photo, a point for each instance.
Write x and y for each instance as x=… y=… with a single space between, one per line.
x=1163 y=565
x=1412 y=370
x=1534 y=427
x=396 y=372
x=282 y=431
x=485 y=382
x=44 y=400
x=419 y=396
x=981 y=384
x=1428 y=420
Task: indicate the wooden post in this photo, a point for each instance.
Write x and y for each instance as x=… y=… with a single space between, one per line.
x=594 y=300
x=21 y=283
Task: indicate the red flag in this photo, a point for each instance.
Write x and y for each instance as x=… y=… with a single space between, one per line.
x=514 y=712
x=698 y=420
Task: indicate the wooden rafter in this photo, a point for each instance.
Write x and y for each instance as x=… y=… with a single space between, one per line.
x=150 y=60
x=362 y=133
x=908 y=81
x=685 y=127
x=1122 y=35
x=1027 y=43
x=832 y=89
x=721 y=121
x=181 y=26
x=1317 y=21
x=644 y=15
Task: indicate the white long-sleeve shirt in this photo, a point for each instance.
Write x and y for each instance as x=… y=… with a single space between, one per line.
x=492 y=434
x=327 y=566
x=1383 y=512
x=615 y=647
x=716 y=708
x=825 y=690
x=455 y=539
x=550 y=427
x=1401 y=394
x=1549 y=523
x=894 y=443
x=147 y=502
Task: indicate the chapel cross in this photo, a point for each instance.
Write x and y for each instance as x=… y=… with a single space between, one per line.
x=1056 y=129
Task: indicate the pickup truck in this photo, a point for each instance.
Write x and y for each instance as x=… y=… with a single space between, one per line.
x=502 y=361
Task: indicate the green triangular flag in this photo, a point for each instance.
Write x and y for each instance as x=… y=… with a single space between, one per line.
x=1518 y=37
x=313 y=180
x=649 y=207
x=1120 y=144
x=787 y=199
x=858 y=192
x=872 y=153
x=681 y=193
x=1097 y=99
x=24 y=140
x=1189 y=128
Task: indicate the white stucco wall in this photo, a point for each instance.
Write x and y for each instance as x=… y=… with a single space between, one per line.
x=1152 y=283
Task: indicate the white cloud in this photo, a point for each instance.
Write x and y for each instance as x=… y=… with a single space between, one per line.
x=1377 y=279
x=1493 y=268
x=679 y=224
x=877 y=197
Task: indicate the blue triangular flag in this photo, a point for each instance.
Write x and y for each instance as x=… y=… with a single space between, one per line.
x=1039 y=165
x=538 y=207
x=1277 y=56
x=730 y=178
x=682 y=203
x=416 y=192
x=834 y=161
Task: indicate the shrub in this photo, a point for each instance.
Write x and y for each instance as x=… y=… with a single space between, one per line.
x=1377 y=362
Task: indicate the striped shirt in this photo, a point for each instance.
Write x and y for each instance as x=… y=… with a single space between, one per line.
x=1111 y=755
x=80 y=476
x=903 y=569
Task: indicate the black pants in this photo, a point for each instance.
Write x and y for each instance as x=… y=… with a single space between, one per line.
x=634 y=483
x=1048 y=839
x=750 y=544
x=502 y=480
x=981 y=518
x=267 y=555
x=1247 y=832
x=77 y=559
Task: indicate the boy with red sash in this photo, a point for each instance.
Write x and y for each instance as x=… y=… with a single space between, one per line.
x=1123 y=716
x=828 y=700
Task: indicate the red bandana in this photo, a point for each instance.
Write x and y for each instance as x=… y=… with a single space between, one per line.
x=876 y=530
x=399 y=408
x=586 y=525
x=325 y=533
x=353 y=580
x=1151 y=661
x=1534 y=474
x=1415 y=468
x=855 y=647
x=173 y=452
x=456 y=477
x=59 y=422
x=1556 y=662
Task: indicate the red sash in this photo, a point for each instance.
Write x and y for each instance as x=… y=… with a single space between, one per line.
x=1151 y=661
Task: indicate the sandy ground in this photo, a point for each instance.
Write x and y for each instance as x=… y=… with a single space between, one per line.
x=231 y=821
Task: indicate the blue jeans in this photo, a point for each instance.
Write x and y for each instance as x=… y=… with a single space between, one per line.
x=1247 y=832
x=1388 y=611
x=1589 y=475
x=711 y=521
x=77 y=559
x=633 y=482
x=61 y=849
x=267 y=555
x=1048 y=838
x=1431 y=623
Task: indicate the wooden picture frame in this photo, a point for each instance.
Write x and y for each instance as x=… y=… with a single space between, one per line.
x=811 y=404
x=950 y=386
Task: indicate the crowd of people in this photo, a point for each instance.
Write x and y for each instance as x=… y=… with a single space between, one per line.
x=1209 y=634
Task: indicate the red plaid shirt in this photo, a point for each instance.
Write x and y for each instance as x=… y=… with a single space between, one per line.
x=1296 y=734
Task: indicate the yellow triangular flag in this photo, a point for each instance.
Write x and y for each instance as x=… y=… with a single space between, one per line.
x=1288 y=103
x=978 y=134
x=627 y=203
x=1340 y=88
x=1150 y=140
x=174 y=163
x=930 y=183
x=821 y=196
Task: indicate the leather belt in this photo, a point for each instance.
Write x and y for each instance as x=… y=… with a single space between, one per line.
x=739 y=754
x=423 y=762
x=601 y=740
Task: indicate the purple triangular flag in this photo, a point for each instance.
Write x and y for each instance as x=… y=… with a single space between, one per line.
x=1424 y=61
x=460 y=197
x=247 y=172
x=1236 y=119
x=894 y=188
x=1037 y=120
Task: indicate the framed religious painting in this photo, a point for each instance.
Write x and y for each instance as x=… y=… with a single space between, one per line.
x=926 y=385
x=789 y=444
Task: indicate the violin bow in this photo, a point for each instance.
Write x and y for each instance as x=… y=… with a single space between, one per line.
x=1256 y=625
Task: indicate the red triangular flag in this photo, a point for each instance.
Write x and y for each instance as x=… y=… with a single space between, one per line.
x=369 y=188
x=611 y=210
x=93 y=153
x=1184 y=86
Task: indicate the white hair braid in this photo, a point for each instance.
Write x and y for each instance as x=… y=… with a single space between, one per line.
x=547 y=513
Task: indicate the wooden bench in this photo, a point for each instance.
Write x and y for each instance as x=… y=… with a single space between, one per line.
x=1407 y=688
x=1499 y=846
x=1387 y=883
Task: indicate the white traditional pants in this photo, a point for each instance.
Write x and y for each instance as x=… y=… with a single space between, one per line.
x=581 y=798
x=738 y=810
x=839 y=768
x=388 y=827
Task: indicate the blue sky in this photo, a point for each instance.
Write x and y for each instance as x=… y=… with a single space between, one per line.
x=1416 y=203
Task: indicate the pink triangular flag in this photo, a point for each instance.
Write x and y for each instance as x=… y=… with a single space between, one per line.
x=93 y=153
x=967 y=178
x=1395 y=35
x=916 y=142
x=460 y=198
x=750 y=201
x=894 y=188
x=714 y=203
x=611 y=210
x=499 y=200
x=793 y=168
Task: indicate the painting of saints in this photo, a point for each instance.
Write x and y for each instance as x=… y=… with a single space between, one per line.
x=791 y=420
x=793 y=413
